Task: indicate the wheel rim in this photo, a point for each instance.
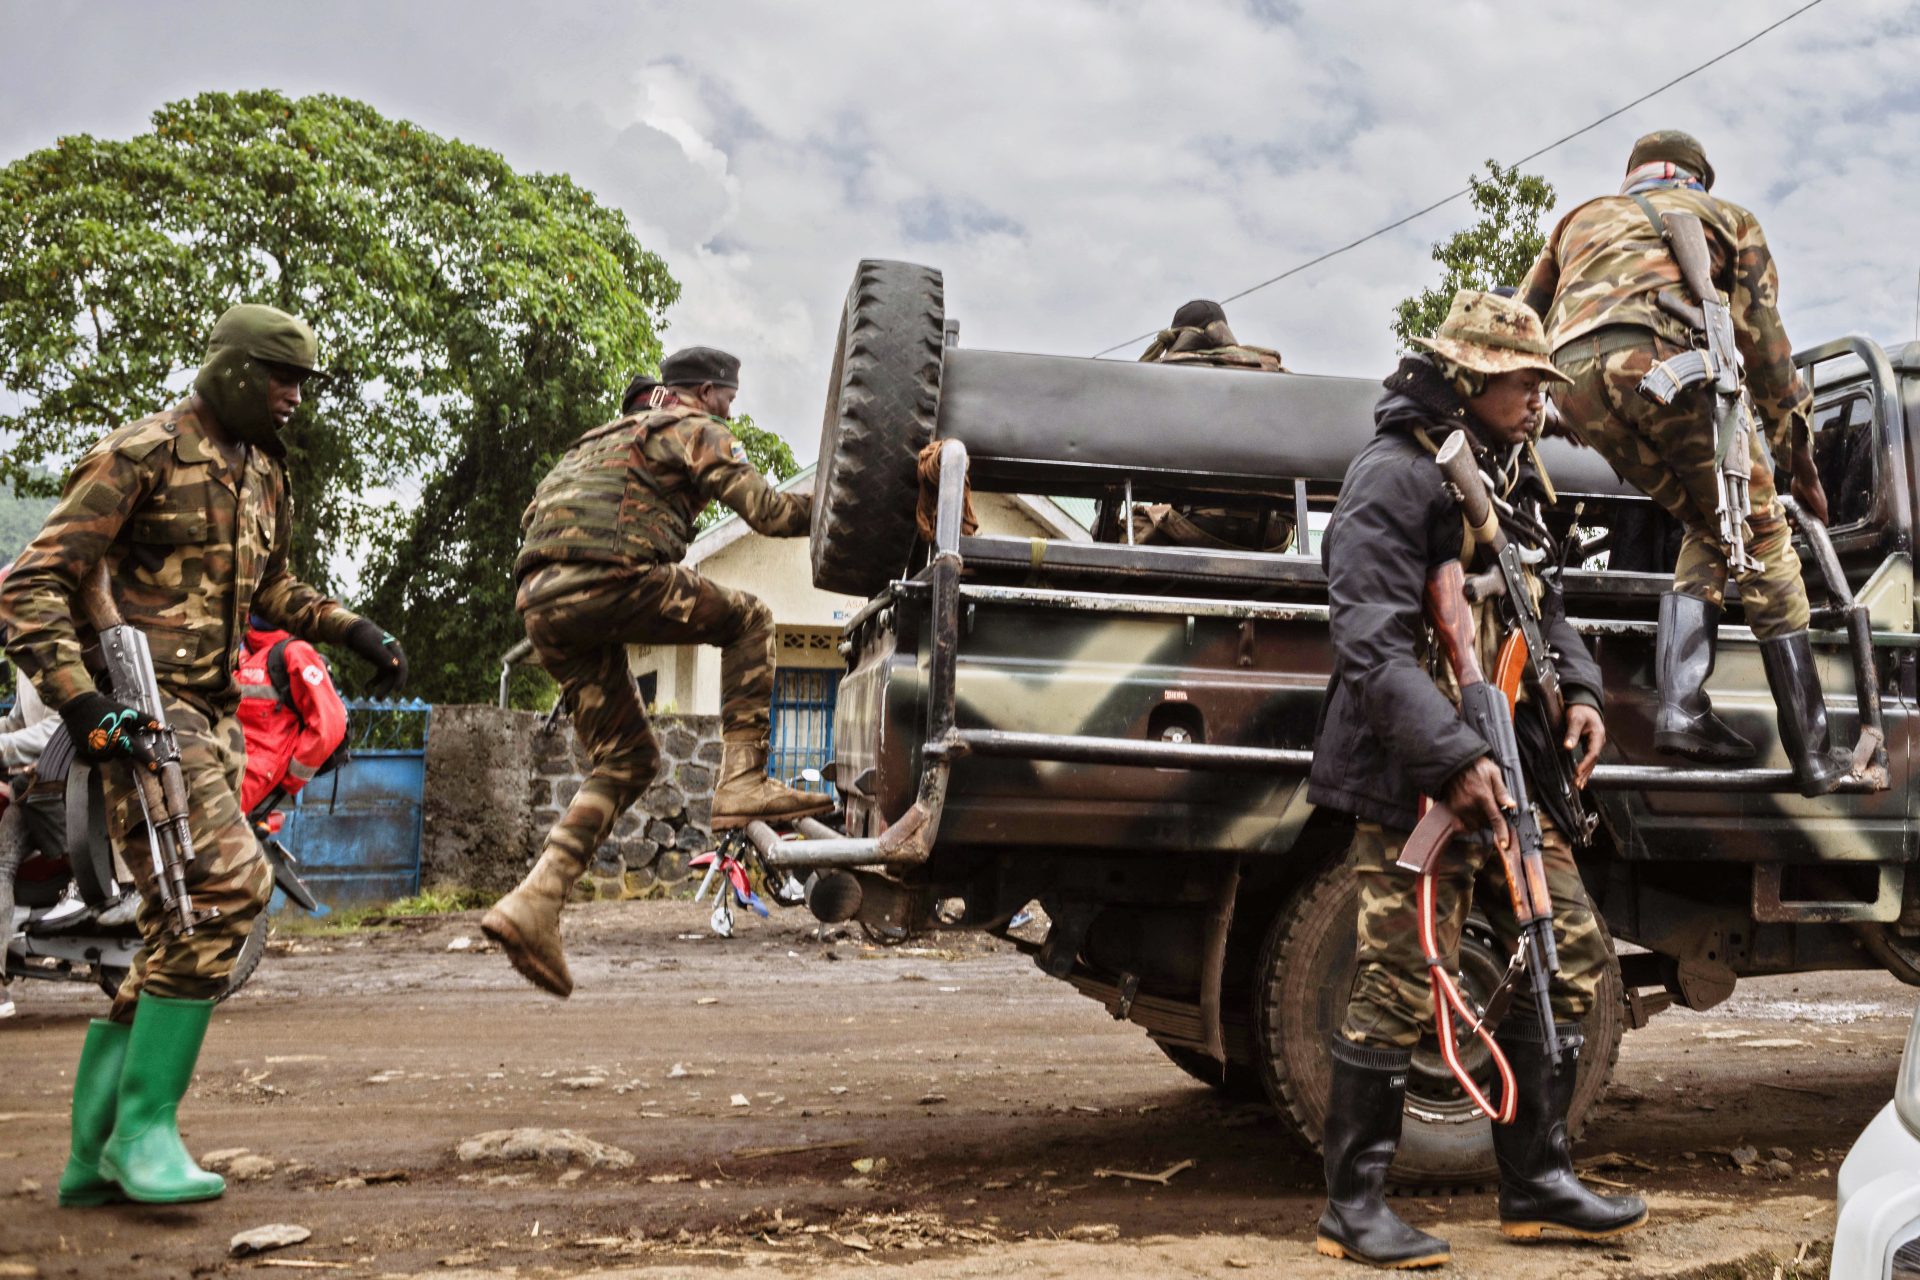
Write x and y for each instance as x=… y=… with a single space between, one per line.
x=1432 y=1092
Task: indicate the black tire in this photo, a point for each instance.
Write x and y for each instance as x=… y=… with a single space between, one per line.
x=882 y=400
x=1445 y=1145
x=110 y=976
x=250 y=955
x=1238 y=1081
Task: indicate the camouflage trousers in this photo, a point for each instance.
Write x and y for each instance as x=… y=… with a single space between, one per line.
x=581 y=636
x=1666 y=451
x=229 y=873
x=1392 y=1001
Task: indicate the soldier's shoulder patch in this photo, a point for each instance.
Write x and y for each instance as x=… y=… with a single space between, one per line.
x=739 y=452
x=138 y=439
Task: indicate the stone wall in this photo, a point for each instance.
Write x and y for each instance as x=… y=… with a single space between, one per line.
x=497 y=780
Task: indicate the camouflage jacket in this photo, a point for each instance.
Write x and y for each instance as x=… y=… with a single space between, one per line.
x=631 y=491
x=191 y=549
x=1240 y=356
x=1605 y=264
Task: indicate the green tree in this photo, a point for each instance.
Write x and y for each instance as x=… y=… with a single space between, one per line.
x=1496 y=250
x=472 y=320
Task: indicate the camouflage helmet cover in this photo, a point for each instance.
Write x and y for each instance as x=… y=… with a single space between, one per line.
x=1675 y=147
x=1491 y=334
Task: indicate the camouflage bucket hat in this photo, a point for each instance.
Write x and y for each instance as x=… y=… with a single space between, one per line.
x=1674 y=147
x=1490 y=334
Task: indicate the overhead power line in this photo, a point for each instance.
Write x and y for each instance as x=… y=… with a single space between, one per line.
x=1297 y=268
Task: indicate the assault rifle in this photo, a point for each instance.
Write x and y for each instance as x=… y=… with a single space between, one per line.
x=158 y=781
x=1524 y=651
x=1714 y=359
x=1484 y=708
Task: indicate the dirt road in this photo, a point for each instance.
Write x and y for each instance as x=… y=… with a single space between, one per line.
x=944 y=1110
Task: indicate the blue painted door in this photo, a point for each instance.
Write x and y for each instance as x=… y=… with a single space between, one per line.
x=803 y=702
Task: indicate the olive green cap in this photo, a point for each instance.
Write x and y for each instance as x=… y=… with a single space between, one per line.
x=267 y=334
x=1674 y=147
x=1491 y=334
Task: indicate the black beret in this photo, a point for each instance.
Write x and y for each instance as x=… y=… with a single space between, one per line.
x=696 y=365
x=638 y=391
x=1198 y=315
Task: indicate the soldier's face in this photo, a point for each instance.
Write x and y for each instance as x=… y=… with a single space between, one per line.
x=283 y=393
x=1511 y=405
x=718 y=400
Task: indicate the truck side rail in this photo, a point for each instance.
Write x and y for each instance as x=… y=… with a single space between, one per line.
x=909 y=840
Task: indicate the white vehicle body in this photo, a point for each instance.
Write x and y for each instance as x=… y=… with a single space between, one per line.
x=1877 y=1235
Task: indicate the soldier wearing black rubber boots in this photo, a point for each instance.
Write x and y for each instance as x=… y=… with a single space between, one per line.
x=1390 y=734
x=1621 y=312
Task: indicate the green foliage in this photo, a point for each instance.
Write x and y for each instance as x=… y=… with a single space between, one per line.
x=473 y=320
x=767 y=452
x=1497 y=250
x=20 y=519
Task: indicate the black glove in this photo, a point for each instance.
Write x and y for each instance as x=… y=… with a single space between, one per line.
x=103 y=729
x=371 y=642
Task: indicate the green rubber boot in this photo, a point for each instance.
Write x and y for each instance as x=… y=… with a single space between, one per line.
x=145 y=1154
x=96 y=1092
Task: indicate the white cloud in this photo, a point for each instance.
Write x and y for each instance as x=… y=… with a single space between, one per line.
x=1078 y=168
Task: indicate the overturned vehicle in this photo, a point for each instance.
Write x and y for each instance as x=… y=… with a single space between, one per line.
x=1122 y=731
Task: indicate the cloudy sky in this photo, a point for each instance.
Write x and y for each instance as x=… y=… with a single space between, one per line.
x=1076 y=168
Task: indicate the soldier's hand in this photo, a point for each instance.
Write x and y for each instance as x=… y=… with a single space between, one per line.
x=1478 y=797
x=103 y=729
x=1806 y=487
x=1584 y=722
x=377 y=646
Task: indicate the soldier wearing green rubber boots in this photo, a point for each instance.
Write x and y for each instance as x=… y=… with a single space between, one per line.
x=188 y=512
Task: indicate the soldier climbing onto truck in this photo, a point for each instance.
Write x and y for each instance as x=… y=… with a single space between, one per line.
x=1387 y=737
x=1610 y=290
x=600 y=570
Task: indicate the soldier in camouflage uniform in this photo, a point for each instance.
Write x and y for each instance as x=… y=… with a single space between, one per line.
x=600 y=570
x=189 y=511
x=1600 y=281
x=1389 y=735
x=1199 y=337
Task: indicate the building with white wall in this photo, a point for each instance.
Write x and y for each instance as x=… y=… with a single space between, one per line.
x=807 y=621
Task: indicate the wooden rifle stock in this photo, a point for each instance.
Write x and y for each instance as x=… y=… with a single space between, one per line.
x=1687 y=241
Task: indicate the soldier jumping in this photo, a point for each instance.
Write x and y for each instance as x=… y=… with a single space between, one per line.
x=1389 y=735
x=1610 y=291
x=600 y=570
x=188 y=510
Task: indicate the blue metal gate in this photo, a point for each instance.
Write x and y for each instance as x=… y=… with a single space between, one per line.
x=356 y=831
x=803 y=702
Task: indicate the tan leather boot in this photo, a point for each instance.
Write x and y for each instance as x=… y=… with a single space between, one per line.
x=526 y=923
x=746 y=794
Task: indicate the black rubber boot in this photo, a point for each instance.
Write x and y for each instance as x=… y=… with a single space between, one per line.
x=1362 y=1133
x=1818 y=766
x=1539 y=1191
x=1682 y=661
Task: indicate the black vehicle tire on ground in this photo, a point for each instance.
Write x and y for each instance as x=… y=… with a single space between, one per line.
x=1443 y=1147
x=250 y=955
x=1238 y=1082
x=882 y=400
